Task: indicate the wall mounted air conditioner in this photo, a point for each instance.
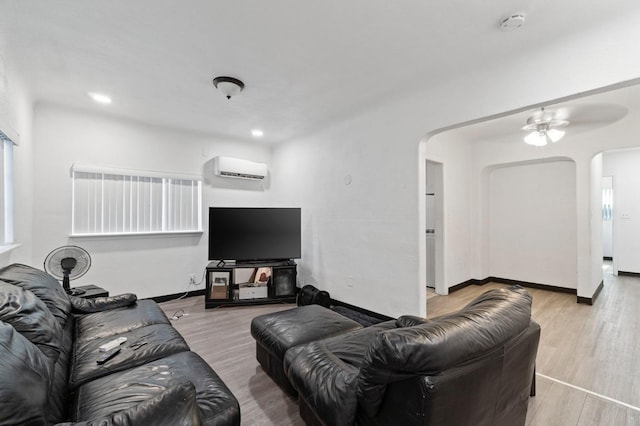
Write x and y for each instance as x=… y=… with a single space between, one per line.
x=238 y=168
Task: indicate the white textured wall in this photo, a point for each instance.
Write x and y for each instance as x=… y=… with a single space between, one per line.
x=595 y=217
x=458 y=209
x=373 y=229
x=624 y=166
x=368 y=234
x=532 y=227
x=146 y=265
x=16 y=111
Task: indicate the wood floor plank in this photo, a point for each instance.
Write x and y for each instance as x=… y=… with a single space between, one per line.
x=598 y=412
x=542 y=387
x=222 y=337
x=560 y=406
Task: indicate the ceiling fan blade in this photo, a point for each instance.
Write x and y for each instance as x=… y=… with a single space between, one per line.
x=596 y=115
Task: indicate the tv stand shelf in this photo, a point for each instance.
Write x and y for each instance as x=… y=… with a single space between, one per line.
x=250 y=283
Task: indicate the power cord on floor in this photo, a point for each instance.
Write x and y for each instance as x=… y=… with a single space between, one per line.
x=204 y=271
x=177 y=316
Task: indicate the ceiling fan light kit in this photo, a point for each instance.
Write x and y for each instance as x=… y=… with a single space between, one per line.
x=544 y=128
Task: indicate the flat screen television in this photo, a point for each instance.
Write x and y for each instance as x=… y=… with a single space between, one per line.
x=248 y=234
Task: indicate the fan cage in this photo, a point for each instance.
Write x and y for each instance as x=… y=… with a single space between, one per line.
x=53 y=262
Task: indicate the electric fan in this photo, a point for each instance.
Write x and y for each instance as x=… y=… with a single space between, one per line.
x=68 y=263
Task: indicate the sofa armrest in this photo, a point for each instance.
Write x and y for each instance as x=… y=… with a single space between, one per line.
x=410 y=321
x=99 y=304
x=175 y=406
x=326 y=383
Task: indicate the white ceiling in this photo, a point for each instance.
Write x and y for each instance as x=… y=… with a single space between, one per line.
x=305 y=64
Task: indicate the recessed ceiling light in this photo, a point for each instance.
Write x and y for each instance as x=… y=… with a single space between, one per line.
x=257 y=133
x=100 y=98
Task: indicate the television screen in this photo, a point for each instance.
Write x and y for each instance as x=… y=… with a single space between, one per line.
x=254 y=233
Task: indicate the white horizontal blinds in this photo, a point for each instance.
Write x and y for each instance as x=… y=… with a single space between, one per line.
x=132 y=202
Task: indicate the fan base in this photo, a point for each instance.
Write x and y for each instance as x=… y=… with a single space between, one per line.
x=76 y=291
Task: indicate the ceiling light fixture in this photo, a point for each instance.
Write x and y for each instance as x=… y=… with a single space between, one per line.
x=257 y=133
x=543 y=128
x=513 y=22
x=100 y=98
x=228 y=86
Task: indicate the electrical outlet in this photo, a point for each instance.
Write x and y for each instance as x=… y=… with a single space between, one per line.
x=192 y=278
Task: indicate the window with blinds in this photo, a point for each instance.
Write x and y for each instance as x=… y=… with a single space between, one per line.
x=6 y=189
x=119 y=202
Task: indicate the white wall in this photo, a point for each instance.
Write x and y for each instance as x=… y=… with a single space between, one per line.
x=607 y=225
x=151 y=265
x=16 y=112
x=532 y=227
x=356 y=243
x=624 y=167
x=373 y=229
x=595 y=217
x=458 y=209
x=364 y=241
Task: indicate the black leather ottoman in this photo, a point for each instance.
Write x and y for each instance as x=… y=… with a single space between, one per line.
x=277 y=332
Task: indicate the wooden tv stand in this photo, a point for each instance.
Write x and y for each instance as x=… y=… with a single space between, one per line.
x=250 y=283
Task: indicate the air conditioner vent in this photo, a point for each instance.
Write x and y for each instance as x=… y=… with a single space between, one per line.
x=239 y=168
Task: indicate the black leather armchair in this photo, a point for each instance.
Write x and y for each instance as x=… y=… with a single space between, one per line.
x=472 y=367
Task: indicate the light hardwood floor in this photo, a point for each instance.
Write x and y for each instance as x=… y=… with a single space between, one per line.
x=587 y=361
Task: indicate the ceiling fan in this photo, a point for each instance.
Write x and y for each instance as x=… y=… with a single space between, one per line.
x=548 y=126
x=544 y=127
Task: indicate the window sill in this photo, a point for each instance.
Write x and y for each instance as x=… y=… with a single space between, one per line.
x=6 y=248
x=136 y=234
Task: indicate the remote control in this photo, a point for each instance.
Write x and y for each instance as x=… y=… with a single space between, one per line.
x=108 y=355
x=112 y=344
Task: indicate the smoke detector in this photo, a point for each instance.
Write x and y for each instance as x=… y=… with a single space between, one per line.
x=513 y=22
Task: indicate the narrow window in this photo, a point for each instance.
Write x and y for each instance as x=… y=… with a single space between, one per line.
x=6 y=186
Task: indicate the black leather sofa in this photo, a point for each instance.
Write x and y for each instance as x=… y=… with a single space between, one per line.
x=472 y=367
x=49 y=375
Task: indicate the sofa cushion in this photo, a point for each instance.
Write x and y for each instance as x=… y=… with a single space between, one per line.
x=24 y=380
x=43 y=285
x=279 y=331
x=59 y=395
x=122 y=390
x=103 y=324
x=31 y=318
x=143 y=344
x=410 y=321
x=427 y=349
x=176 y=406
